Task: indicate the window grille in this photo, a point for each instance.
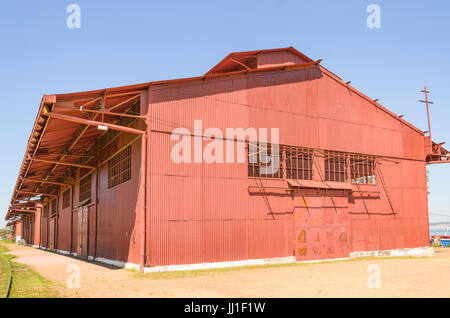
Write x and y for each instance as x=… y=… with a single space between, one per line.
x=260 y=156
x=336 y=166
x=362 y=169
x=299 y=162
x=53 y=207
x=66 y=199
x=85 y=188
x=119 y=168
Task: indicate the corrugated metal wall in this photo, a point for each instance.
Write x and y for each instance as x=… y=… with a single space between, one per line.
x=117 y=237
x=201 y=212
x=204 y=212
x=64 y=226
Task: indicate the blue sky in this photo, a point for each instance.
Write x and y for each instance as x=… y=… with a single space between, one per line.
x=129 y=42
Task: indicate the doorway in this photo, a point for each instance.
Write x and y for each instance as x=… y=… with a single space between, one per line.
x=83 y=226
x=322 y=224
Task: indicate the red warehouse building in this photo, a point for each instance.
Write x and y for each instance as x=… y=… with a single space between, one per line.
x=101 y=180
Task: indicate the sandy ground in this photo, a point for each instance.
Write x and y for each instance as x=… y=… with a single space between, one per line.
x=400 y=277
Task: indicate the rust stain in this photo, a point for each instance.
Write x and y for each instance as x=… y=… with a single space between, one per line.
x=317 y=239
x=302 y=251
x=302 y=236
x=343 y=237
x=315 y=220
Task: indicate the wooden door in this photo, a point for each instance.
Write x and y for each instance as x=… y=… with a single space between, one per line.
x=51 y=234
x=83 y=232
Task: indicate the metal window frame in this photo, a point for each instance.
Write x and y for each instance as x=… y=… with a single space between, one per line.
x=66 y=198
x=119 y=167
x=336 y=166
x=254 y=168
x=362 y=169
x=298 y=162
x=85 y=188
x=53 y=207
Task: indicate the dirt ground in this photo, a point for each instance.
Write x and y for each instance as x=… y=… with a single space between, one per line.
x=400 y=277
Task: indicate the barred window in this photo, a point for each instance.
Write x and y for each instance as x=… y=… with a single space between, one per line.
x=336 y=166
x=85 y=188
x=260 y=161
x=299 y=162
x=362 y=169
x=53 y=207
x=66 y=199
x=119 y=168
x=46 y=208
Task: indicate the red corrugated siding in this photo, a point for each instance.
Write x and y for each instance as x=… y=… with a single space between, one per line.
x=204 y=213
x=201 y=212
x=74 y=232
x=117 y=237
x=45 y=232
x=64 y=228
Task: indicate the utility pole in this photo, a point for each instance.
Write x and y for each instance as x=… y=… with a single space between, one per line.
x=426 y=101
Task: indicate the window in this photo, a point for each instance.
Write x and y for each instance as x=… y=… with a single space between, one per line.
x=85 y=188
x=46 y=210
x=53 y=207
x=299 y=162
x=260 y=161
x=119 y=168
x=66 y=199
x=336 y=166
x=362 y=169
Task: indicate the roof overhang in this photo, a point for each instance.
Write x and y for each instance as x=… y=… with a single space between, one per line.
x=66 y=128
x=438 y=154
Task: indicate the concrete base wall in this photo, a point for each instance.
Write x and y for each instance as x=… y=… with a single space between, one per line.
x=187 y=267
x=417 y=251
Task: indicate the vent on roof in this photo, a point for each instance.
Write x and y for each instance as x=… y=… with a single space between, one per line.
x=245 y=61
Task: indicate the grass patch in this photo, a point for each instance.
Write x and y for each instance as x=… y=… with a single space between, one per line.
x=4 y=275
x=26 y=283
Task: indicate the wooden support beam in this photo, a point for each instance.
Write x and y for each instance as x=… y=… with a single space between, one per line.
x=19 y=210
x=106 y=112
x=95 y=123
x=36 y=193
x=124 y=102
x=67 y=150
x=49 y=182
x=78 y=136
x=62 y=163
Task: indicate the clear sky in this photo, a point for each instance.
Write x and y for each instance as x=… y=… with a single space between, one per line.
x=130 y=42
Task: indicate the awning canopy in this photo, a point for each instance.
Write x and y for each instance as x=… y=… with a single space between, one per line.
x=65 y=129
